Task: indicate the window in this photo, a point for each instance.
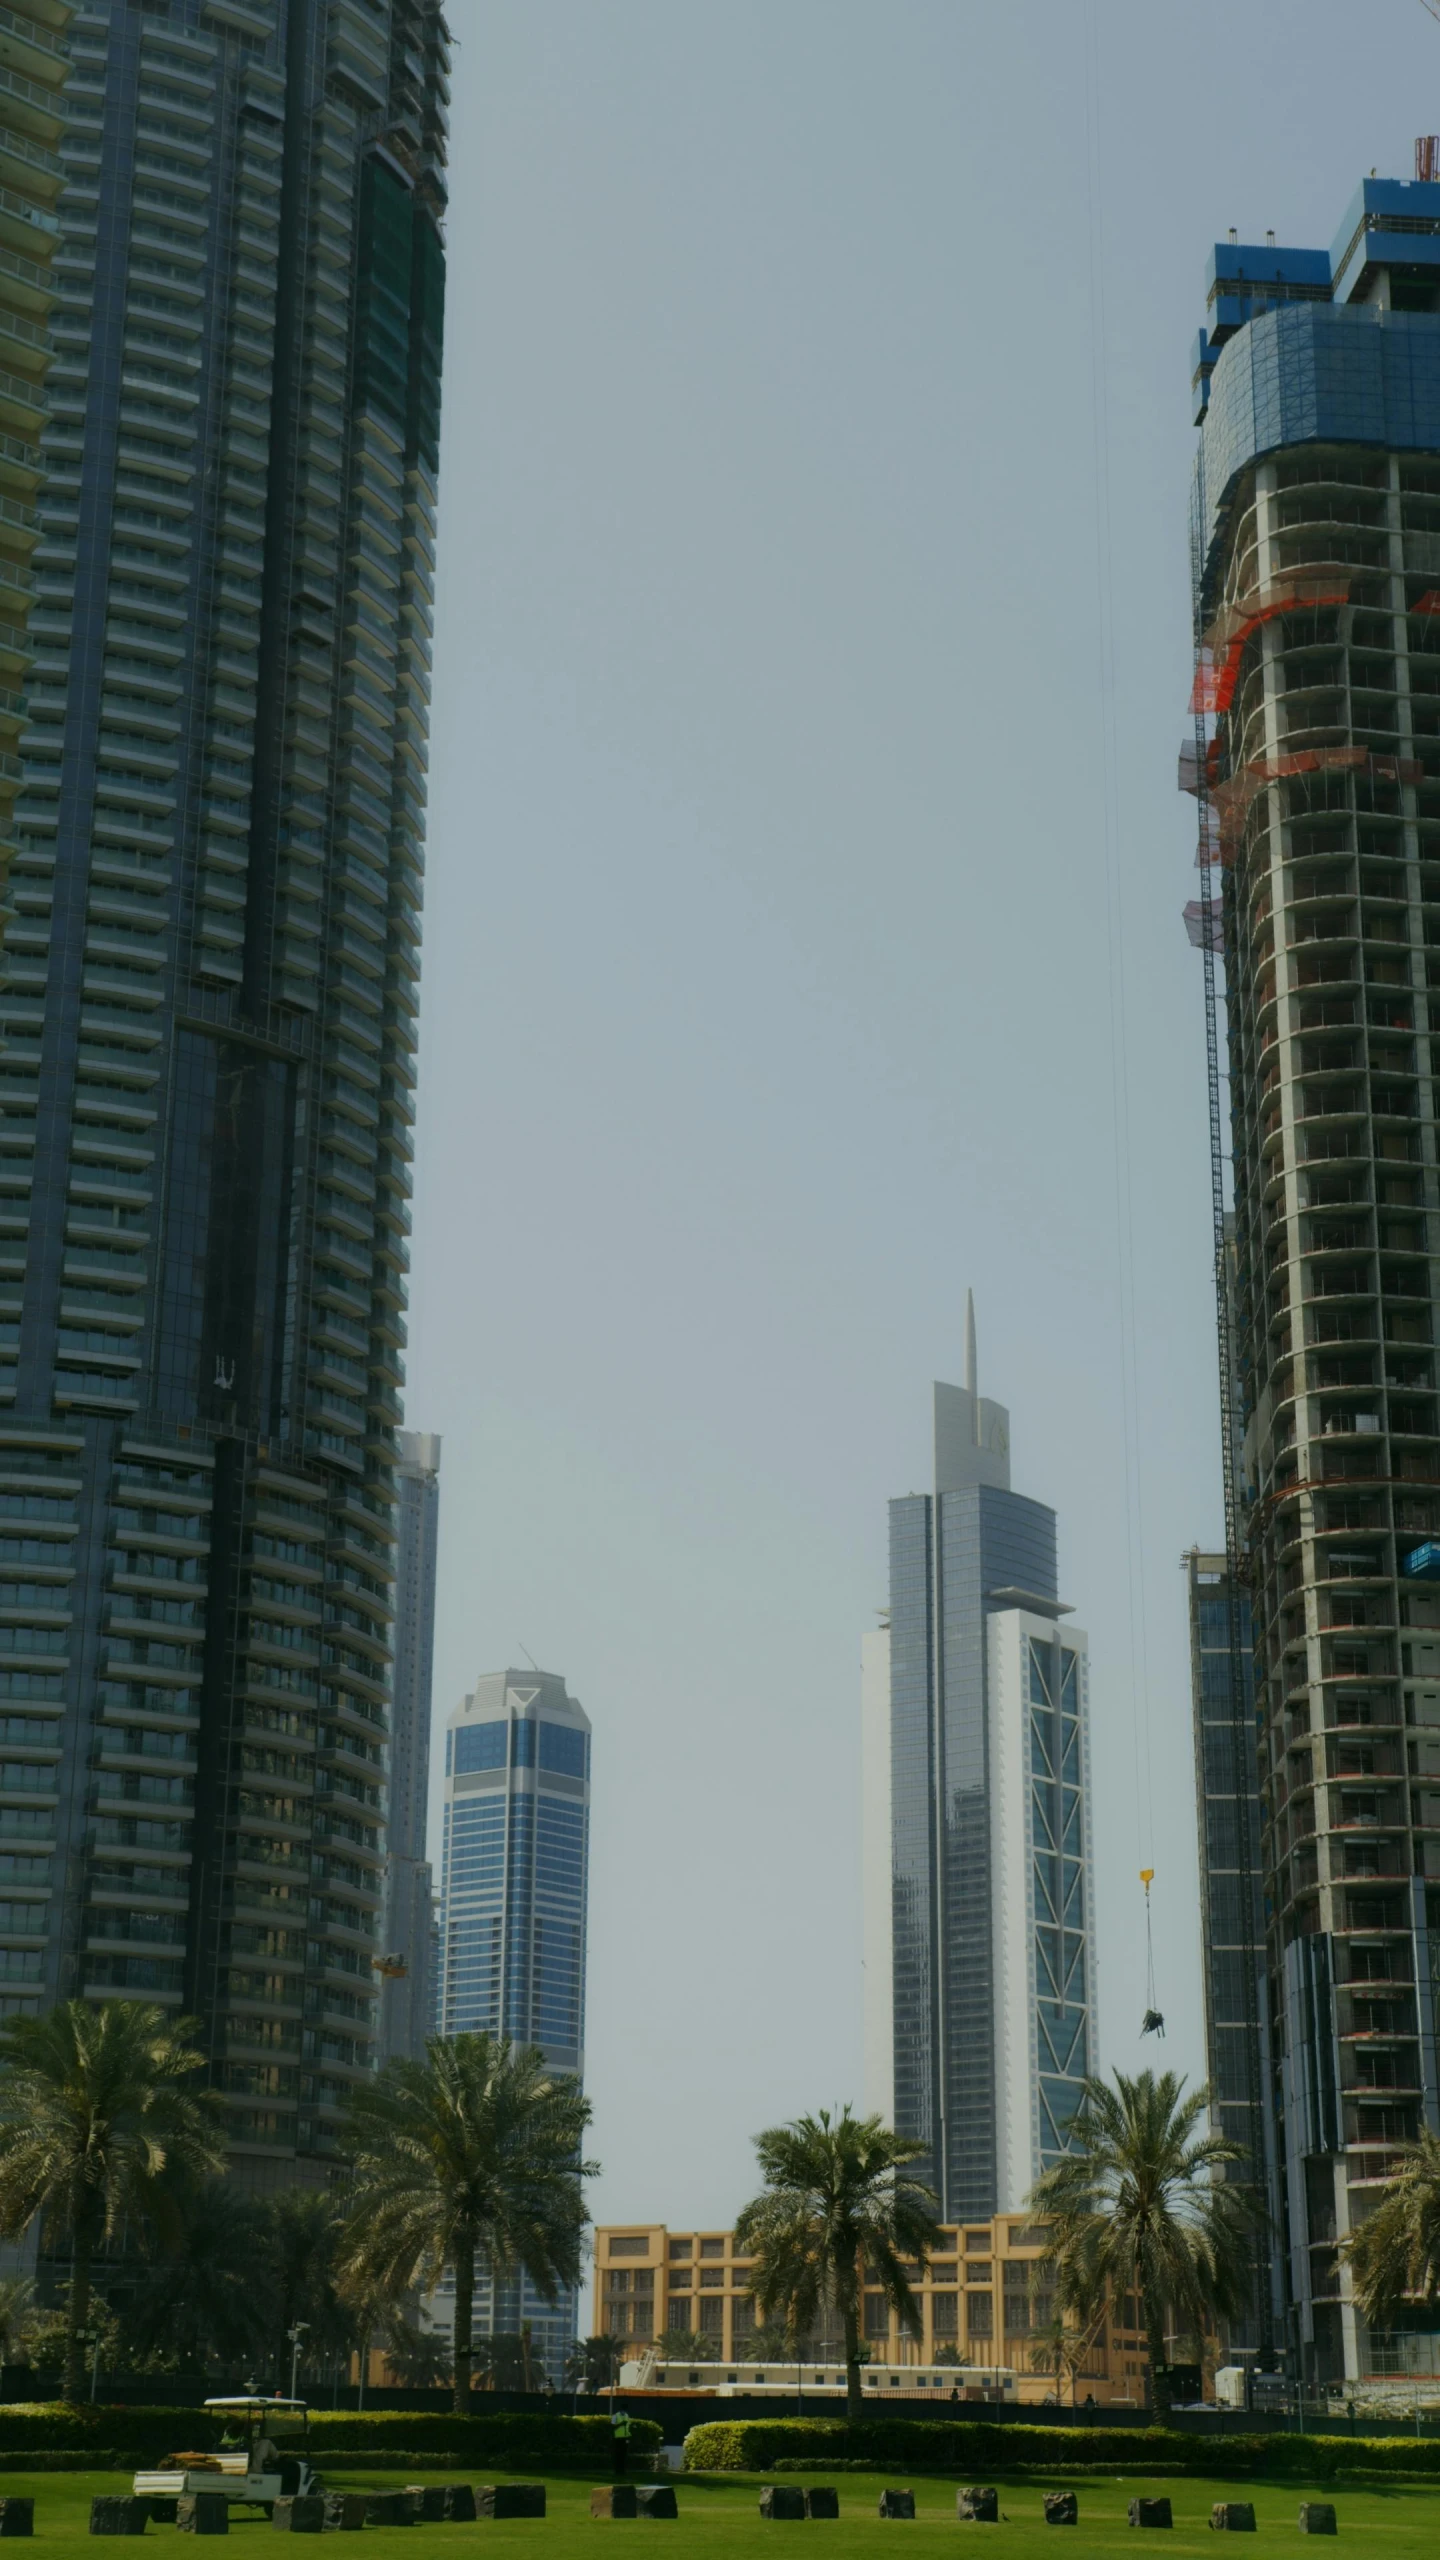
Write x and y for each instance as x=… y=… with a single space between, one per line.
x=677 y=2311
x=712 y=2248
x=479 y=1746
x=562 y=1749
x=708 y=2275
x=681 y=2248
x=980 y=2314
x=944 y=2314
x=629 y=2244
x=877 y=2316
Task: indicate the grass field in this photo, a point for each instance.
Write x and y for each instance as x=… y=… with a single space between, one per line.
x=720 y=2517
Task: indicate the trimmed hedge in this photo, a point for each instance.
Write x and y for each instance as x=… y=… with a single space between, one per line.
x=143 y=2437
x=146 y=2435
x=516 y=2435
x=973 y=2445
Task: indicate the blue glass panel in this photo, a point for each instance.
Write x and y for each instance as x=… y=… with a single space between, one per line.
x=562 y=1747
x=479 y=1746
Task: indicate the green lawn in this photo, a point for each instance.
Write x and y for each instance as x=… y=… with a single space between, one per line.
x=1393 y=2522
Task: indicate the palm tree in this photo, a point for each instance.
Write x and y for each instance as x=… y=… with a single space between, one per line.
x=837 y=2208
x=302 y=2264
x=17 y=2317
x=97 y=2106
x=1395 y=2256
x=421 y=2357
x=686 y=2346
x=474 y=2152
x=205 y=2299
x=593 y=2364
x=1136 y=2205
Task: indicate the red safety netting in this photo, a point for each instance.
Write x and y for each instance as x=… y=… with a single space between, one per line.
x=1217 y=670
x=1234 y=799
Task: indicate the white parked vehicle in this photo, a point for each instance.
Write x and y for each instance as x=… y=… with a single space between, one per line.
x=264 y=2455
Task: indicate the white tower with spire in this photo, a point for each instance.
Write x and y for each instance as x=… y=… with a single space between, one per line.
x=972 y=1435
x=978 y=1944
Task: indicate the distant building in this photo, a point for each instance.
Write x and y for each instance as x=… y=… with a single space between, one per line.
x=979 y=2303
x=407 y=1985
x=978 y=1936
x=1232 y=1911
x=513 y=1908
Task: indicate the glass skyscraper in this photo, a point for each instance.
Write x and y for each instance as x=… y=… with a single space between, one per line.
x=408 y=1995
x=1234 y=1966
x=979 y=1950
x=208 y=1021
x=513 y=1914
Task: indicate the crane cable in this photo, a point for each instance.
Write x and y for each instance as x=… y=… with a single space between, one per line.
x=1153 y=2023
x=1111 y=767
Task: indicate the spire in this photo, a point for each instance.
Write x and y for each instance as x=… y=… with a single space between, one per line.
x=971 y=1387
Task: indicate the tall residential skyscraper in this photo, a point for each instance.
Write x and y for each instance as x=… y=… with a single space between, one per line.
x=208 y=1017
x=1317 y=760
x=1233 y=1960
x=33 y=57
x=516 y=1855
x=979 y=1952
x=407 y=1997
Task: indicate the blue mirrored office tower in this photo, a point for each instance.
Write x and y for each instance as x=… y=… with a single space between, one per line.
x=516 y=1853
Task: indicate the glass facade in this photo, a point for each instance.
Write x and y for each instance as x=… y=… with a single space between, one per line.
x=1058 y=1886
x=208 y=1021
x=407 y=1997
x=513 y=1910
x=953 y=1557
x=1232 y=1936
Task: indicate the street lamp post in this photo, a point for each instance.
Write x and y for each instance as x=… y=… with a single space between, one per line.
x=300 y=2330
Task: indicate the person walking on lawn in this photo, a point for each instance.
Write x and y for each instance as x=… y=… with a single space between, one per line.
x=620 y=2441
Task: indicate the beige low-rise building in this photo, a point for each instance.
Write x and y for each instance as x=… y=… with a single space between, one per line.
x=979 y=2299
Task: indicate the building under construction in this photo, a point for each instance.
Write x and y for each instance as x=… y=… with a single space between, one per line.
x=1316 y=764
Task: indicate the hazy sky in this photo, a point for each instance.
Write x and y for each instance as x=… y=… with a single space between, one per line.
x=774 y=990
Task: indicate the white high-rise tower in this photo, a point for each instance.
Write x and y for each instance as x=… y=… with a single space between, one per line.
x=979 y=1990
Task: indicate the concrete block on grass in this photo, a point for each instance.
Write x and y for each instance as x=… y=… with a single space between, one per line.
x=388 y=2506
x=17 y=2516
x=203 y=2511
x=119 y=2515
x=345 y=2510
x=1152 y=2511
x=822 y=2502
x=658 y=2502
x=1232 y=2515
x=898 y=2503
x=459 y=2502
x=1061 y=2506
x=783 y=2505
x=298 y=2515
x=618 y=2501
x=1317 y=2518
x=432 y=2504
x=511 y=2498
x=978 y=2506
